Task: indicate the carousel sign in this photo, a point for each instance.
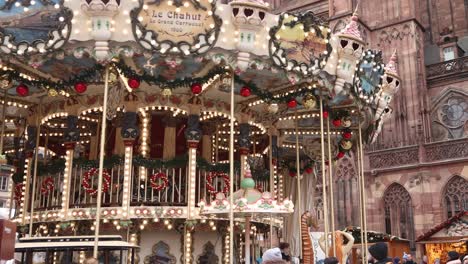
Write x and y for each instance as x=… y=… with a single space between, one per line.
x=175 y=26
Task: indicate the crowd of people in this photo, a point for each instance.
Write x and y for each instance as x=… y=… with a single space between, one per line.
x=378 y=255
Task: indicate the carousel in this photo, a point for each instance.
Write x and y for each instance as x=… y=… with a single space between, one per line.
x=183 y=130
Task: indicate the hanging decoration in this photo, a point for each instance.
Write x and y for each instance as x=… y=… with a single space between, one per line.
x=245 y=91
x=347 y=135
x=196 y=88
x=273 y=108
x=52 y=92
x=292 y=103
x=210 y=185
x=133 y=83
x=336 y=122
x=166 y=92
x=89 y=188
x=309 y=102
x=47 y=186
x=22 y=90
x=159 y=181
x=340 y=155
x=80 y=87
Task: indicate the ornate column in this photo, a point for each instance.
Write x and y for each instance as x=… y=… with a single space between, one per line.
x=169 y=148
x=244 y=141
x=30 y=146
x=101 y=14
x=273 y=153
x=193 y=134
x=129 y=132
x=71 y=136
x=207 y=149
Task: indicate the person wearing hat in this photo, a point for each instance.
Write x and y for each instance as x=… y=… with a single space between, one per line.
x=273 y=256
x=379 y=253
x=453 y=257
x=465 y=260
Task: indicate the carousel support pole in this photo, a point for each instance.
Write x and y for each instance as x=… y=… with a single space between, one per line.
x=271 y=230
x=231 y=172
x=363 y=189
x=361 y=217
x=270 y=161
x=247 y=240
x=217 y=144
x=298 y=178
x=101 y=163
x=128 y=169
x=324 y=180
x=46 y=143
x=3 y=120
x=330 y=183
x=36 y=159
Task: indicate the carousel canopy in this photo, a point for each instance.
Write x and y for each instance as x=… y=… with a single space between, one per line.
x=175 y=53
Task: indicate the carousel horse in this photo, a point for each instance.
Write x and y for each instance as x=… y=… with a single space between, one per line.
x=307 y=221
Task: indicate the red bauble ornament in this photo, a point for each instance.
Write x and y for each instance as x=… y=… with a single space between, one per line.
x=340 y=155
x=196 y=88
x=133 y=83
x=337 y=122
x=325 y=114
x=292 y=174
x=22 y=90
x=308 y=170
x=245 y=91
x=347 y=135
x=292 y=103
x=80 y=87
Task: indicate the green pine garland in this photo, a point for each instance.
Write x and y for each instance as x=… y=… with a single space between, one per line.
x=90 y=74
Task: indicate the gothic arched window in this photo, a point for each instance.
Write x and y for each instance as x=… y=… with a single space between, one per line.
x=398 y=212
x=346 y=193
x=456 y=196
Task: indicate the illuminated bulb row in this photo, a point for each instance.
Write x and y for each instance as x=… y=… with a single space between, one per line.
x=9 y=134
x=227 y=254
x=311 y=133
x=259 y=126
x=210 y=82
x=227 y=124
x=52 y=116
x=175 y=110
x=61 y=134
x=211 y=114
x=144 y=138
x=188 y=247
x=89 y=111
x=225 y=148
x=23 y=189
x=133 y=239
x=127 y=175
x=256 y=103
x=80 y=142
x=304 y=116
x=88 y=119
x=168 y=224
x=235 y=140
x=290 y=146
x=66 y=177
x=13 y=151
x=193 y=177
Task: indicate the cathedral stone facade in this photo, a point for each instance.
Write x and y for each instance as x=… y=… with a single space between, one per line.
x=417 y=171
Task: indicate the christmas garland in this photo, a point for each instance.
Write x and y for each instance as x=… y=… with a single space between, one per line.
x=87 y=183
x=47 y=186
x=209 y=182
x=159 y=181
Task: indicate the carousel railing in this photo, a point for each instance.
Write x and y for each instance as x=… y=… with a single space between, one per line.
x=145 y=189
x=48 y=195
x=207 y=195
x=81 y=198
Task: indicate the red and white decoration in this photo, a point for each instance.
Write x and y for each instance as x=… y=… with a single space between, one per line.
x=159 y=181
x=47 y=186
x=89 y=187
x=209 y=182
x=19 y=192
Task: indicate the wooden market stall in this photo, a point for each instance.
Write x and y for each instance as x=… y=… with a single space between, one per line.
x=451 y=235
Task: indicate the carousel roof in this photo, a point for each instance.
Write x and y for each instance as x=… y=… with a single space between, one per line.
x=50 y=47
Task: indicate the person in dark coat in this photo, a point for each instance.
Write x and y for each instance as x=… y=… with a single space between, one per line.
x=379 y=253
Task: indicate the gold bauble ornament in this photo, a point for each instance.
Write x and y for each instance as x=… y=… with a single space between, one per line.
x=52 y=92
x=166 y=92
x=346 y=122
x=309 y=102
x=346 y=144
